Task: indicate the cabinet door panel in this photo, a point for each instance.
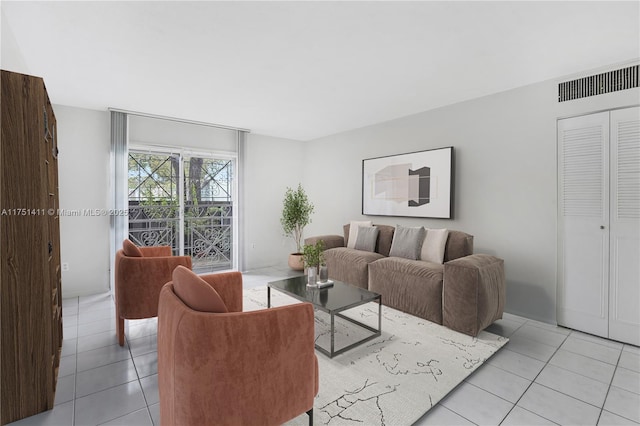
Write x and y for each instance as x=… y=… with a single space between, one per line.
x=28 y=351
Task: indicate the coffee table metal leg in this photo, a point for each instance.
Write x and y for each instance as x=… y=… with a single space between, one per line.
x=380 y=314
x=333 y=333
x=268 y=297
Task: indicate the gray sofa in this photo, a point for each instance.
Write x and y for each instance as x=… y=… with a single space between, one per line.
x=466 y=293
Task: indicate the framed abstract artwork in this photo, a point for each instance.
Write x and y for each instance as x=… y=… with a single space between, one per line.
x=417 y=184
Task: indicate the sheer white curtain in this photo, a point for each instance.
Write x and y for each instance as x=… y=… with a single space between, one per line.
x=119 y=166
x=239 y=217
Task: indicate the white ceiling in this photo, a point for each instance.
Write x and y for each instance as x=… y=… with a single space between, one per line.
x=303 y=70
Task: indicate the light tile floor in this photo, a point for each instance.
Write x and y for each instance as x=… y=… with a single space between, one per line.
x=544 y=375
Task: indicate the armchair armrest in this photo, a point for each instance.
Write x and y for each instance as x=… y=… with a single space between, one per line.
x=155 y=251
x=330 y=241
x=229 y=287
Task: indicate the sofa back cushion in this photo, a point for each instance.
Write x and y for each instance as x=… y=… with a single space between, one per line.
x=385 y=238
x=407 y=242
x=354 y=229
x=459 y=244
x=367 y=238
x=434 y=245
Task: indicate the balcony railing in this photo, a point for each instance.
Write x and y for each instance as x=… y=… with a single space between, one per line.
x=208 y=231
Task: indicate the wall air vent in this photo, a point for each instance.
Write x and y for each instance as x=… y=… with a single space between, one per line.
x=612 y=81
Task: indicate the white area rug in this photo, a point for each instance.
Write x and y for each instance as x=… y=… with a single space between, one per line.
x=393 y=379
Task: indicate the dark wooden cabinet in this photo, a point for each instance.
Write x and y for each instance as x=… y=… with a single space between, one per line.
x=30 y=286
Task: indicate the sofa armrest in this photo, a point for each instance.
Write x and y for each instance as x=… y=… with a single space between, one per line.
x=330 y=241
x=474 y=293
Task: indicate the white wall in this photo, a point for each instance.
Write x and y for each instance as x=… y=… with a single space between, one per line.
x=83 y=173
x=11 y=58
x=505 y=179
x=271 y=165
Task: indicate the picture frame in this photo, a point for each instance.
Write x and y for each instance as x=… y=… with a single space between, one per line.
x=416 y=184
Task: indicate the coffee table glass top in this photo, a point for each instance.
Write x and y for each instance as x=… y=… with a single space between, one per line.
x=333 y=300
x=338 y=297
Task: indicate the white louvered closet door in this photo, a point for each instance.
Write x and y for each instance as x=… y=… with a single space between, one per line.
x=599 y=224
x=583 y=267
x=624 y=284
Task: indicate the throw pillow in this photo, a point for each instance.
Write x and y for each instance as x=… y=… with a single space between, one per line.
x=130 y=250
x=434 y=245
x=407 y=242
x=367 y=238
x=195 y=292
x=353 y=231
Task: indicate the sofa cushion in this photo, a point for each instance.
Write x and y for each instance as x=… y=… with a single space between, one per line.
x=329 y=241
x=353 y=231
x=385 y=237
x=412 y=286
x=195 y=292
x=407 y=242
x=350 y=265
x=130 y=250
x=459 y=244
x=434 y=244
x=367 y=238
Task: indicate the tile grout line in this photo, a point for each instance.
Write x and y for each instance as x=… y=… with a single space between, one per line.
x=489 y=392
x=548 y=363
x=139 y=379
x=534 y=379
x=610 y=386
x=115 y=362
x=75 y=379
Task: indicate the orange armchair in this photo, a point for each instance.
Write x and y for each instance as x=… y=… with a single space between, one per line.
x=233 y=368
x=140 y=273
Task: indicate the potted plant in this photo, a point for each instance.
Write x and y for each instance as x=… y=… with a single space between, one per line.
x=313 y=255
x=296 y=214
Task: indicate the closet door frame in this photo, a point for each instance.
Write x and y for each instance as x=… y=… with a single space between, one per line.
x=583 y=223
x=599 y=230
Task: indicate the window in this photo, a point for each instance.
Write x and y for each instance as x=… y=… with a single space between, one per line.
x=184 y=201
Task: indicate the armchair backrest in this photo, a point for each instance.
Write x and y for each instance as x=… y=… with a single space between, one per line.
x=138 y=280
x=234 y=368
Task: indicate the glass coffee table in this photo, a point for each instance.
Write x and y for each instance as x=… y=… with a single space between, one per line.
x=333 y=300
